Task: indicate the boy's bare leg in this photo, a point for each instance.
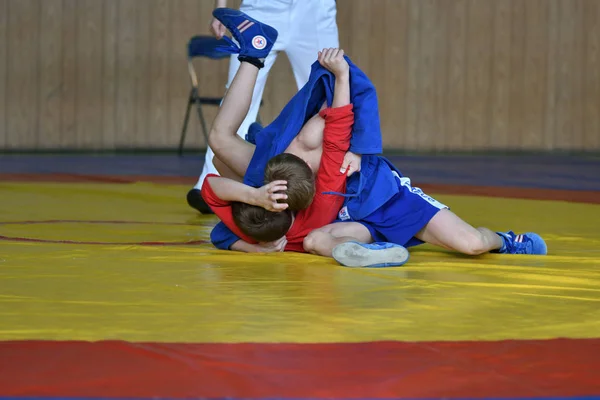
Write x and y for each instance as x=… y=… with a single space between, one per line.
x=225 y=171
x=447 y=230
x=322 y=241
x=228 y=147
x=349 y=243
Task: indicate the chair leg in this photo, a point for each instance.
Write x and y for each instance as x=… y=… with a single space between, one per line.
x=185 y=122
x=202 y=121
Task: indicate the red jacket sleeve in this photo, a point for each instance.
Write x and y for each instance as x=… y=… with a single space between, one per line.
x=221 y=208
x=336 y=141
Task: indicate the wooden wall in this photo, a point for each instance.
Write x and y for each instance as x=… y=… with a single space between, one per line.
x=451 y=74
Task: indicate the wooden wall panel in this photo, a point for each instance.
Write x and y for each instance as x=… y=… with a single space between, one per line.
x=478 y=74
x=23 y=73
x=457 y=82
x=109 y=72
x=551 y=75
x=441 y=80
x=50 y=72
x=89 y=52
x=158 y=73
x=534 y=73
x=394 y=62
x=567 y=122
x=568 y=134
x=70 y=70
x=186 y=13
x=517 y=97
x=126 y=73
x=591 y=76
x=413 y=71
x=142 y=63
x=3 y=71
x=500 y=75
x=451 y=74
x=424 y=105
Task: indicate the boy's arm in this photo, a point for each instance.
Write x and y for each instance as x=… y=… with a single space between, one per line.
x=266 y=196
x=341 y=91
x=221 y=238
x=338 y=123
x=218 y=193
x=276 y=246
x=333 y=60
x=243 y=247
x=336 y=142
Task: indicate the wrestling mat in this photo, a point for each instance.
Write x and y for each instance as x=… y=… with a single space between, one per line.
x=111 y=289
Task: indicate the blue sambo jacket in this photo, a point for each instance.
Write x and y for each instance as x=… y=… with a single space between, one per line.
x=366 y=140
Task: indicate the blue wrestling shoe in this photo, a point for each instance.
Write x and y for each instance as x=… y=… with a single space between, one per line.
x=526 y=243
x=374 y=255
x=254 y=38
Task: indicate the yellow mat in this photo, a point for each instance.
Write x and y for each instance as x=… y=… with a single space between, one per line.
x=194 y=293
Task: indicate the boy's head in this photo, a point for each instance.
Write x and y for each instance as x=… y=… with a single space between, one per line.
x=260 y=224
x=300 y=179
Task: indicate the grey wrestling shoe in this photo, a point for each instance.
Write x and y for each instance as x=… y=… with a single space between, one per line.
x=374 y=255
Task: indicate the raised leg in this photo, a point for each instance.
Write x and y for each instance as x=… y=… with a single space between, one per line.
x=251 y=116
x=231 y=149
x=225 y=171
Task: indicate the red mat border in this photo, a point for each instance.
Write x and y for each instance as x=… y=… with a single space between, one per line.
x=513 y=368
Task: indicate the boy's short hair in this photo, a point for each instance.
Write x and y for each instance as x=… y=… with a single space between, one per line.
x=300 y=179
x=260 y=224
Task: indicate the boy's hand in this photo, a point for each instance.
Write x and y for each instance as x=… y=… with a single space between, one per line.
x=268 y=195
x=351 y=163
x=272 y=247
x=217 y=28
x=333 y=60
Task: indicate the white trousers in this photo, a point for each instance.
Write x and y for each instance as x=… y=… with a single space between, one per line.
x=305 y=27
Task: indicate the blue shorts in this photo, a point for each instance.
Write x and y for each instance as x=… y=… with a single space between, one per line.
x=401 y=217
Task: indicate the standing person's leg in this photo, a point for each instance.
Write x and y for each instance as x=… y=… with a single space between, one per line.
x=314 y=29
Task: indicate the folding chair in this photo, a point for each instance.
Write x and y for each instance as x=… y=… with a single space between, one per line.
x=200 y=46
